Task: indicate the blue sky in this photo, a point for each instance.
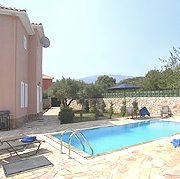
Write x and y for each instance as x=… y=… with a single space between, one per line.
x=103 y=37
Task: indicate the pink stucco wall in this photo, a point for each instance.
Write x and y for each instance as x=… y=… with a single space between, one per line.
x=18 y=64
x=7 y=63
x=35 y=71
x=39 y=66
x=32 y=75
x=21 y=73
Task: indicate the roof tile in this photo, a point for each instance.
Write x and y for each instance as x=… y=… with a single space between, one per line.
x=46 y=77
x=36 y=23
x=11 y=8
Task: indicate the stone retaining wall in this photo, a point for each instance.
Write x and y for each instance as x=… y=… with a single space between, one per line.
x=153 y=104
x=76 y=105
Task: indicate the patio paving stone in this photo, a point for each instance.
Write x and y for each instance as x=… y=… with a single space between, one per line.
x=155 y=160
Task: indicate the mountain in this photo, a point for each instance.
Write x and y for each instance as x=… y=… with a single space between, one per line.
x=92 y=79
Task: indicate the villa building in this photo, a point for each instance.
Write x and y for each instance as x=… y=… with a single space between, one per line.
x=47 y=82
x=20 y=65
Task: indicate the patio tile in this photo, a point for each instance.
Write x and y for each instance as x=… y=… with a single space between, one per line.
x=146 y=164
x=157 y=162
x=145 y=173
x=156 y=176
x=153 y=161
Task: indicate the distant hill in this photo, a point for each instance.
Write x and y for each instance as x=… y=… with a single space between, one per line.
x=92 y=79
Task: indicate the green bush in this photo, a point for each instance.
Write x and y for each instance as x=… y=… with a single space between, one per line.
x=86 y=106
x=123 y=109
x=135 y=108
x=92 y=105
x=101 y=106
x=111 y=110
x=66 y=115
x=45 y=95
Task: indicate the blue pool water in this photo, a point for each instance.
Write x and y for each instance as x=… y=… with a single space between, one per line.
x=106 y=139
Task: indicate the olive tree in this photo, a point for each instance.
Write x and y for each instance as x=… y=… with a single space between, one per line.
x=66 y=90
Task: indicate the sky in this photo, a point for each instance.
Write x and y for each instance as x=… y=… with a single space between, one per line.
x=104 y=37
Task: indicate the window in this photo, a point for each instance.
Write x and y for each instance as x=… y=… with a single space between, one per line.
x=24 y=95
x=25 y=42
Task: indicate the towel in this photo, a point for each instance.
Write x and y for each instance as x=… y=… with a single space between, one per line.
x=176 y=142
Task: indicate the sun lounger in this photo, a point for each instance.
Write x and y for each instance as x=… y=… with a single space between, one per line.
x=166 y=110
x=17 y=144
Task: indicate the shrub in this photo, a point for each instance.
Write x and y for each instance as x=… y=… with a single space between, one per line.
x=86 y=106
x=123 y=109
x=111 y=110
x=92 y=105
x=101 y=106
x=135 y=108
x=66 y=115
x=45 y=95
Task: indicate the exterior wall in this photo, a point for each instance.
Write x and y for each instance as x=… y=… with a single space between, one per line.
x=7 y=63
x=21 y=68
x=19 y=65
x=47 y=84
x=35 y=72
x=39 y=68
x=32 y=75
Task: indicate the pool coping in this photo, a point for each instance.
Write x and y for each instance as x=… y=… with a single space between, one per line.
x=88 y=157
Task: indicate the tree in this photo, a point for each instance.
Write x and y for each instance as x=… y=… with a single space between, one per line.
x=137 y=81
x=166 y=81
x=152 y=80
x=174 y=60
x=104 y=82
x=92 y=92
x=67 y=90
x=171 y=70
x=86 y=92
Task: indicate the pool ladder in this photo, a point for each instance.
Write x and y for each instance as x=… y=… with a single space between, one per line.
x=75 y=133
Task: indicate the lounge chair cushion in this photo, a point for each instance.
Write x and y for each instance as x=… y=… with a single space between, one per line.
x=28 y=139
x=176 y=142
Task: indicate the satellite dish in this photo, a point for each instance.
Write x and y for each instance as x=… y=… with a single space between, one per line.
x=45 y=41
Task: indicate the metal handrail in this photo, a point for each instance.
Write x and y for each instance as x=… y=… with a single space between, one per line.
x=77 y=137
x=65 y=131
x=69 y=141
x=74 y=133
x=82 y=135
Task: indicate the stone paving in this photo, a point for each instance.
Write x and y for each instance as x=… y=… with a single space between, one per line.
x=153 y=160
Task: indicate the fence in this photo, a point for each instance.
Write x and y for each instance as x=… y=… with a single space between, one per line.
x=121 y=94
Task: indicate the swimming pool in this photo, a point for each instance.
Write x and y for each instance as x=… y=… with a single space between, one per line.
x=111 y=138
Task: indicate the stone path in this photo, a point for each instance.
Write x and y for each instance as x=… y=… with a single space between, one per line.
x=154 y=160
